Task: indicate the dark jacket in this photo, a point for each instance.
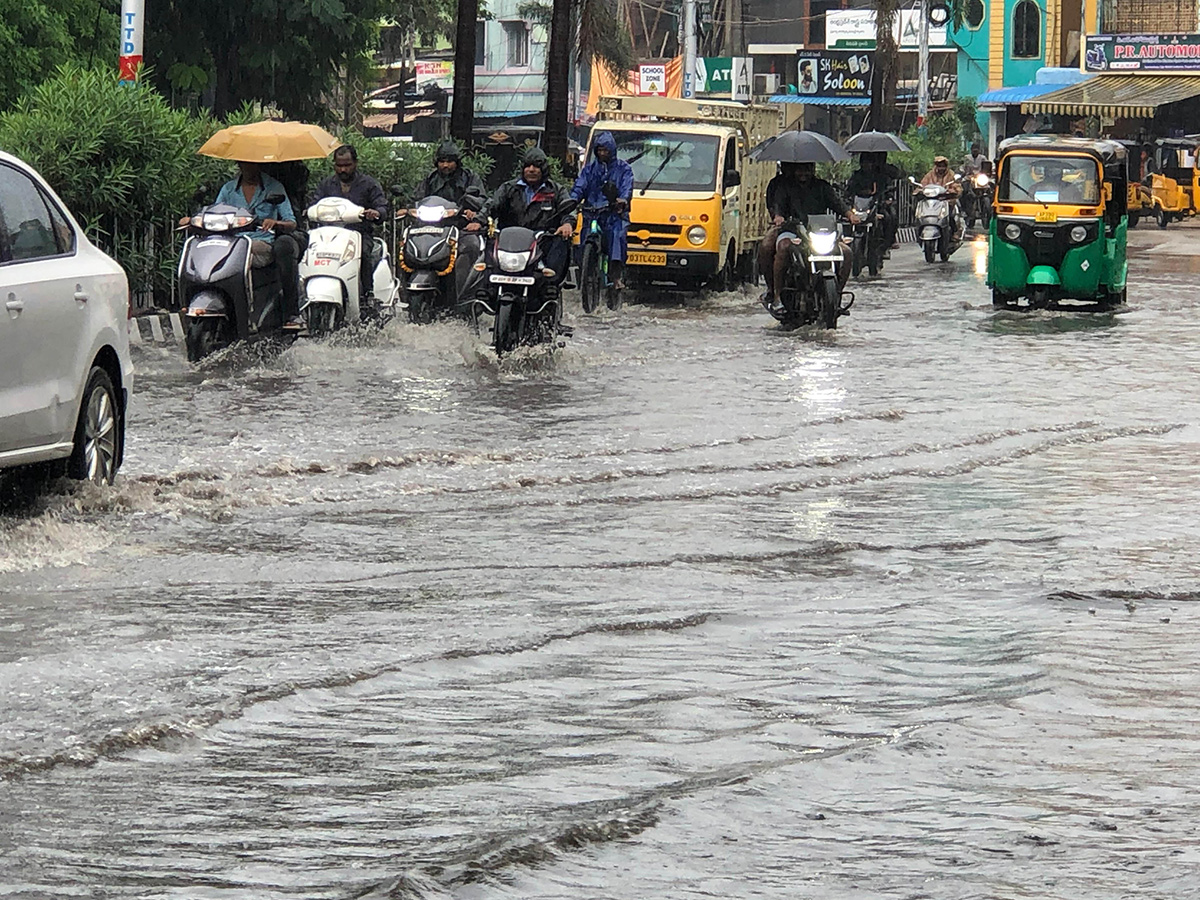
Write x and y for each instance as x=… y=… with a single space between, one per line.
x=509 y=207
x=460 y=186
x=363 y=190
x=867 y=182
x=795 y=201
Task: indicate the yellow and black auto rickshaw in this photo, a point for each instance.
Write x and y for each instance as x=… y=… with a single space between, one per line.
x=1176 y=186
x=1060 y=222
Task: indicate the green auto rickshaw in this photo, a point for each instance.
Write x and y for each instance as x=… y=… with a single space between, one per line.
x=1061 y=217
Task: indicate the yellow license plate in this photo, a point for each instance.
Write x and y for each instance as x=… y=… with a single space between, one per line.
x=642 y=258
x=1046 y=215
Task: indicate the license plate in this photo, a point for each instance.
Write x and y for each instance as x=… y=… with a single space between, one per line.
x=512 y=279
x=642 y=258
x=1046 y=215
x=430 y=230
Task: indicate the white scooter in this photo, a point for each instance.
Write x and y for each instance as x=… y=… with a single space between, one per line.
x=329 y=272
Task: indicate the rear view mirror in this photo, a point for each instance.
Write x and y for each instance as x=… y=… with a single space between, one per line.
x=396 y=190
x=733 y=178
x=276 y=198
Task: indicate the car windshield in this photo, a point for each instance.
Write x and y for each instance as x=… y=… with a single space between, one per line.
x=670 y=161
x=1050 y=179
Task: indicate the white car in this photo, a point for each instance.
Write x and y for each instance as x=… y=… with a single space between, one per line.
x=65 y=371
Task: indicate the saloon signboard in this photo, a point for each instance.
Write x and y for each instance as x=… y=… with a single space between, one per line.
x=1131 y=53
x=834 y=74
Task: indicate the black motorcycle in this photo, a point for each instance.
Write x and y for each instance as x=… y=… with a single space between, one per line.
x=810 y=292
x=866 y=241
x=436 y=259
x=223 y=298
x=519 y=292
x=983 y=189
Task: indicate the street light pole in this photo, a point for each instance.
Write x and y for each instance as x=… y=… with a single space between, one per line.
x=689 y=47
x=133 y=13
x=923 y=68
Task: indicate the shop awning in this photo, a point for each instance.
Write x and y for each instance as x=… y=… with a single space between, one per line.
x=1119 y=96
x=809 y=100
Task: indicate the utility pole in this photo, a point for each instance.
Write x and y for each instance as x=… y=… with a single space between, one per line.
x=923 y=68
x=133 y=14
x=689 y=48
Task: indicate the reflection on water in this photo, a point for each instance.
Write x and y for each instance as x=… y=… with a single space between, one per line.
x=1048 y=321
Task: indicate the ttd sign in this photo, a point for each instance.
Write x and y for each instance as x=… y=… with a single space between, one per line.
x=133 y=15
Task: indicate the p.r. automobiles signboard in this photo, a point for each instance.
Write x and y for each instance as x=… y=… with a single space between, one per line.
x=1158 y=53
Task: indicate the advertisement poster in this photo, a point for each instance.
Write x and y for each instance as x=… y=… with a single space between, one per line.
x=438 y=72
x=1158 y=53
x=854 y=29
x=834 y=73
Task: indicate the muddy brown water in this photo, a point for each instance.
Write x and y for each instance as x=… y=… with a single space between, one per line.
x=689 y=608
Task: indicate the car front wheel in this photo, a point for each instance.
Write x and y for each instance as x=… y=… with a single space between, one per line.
x=99 y=432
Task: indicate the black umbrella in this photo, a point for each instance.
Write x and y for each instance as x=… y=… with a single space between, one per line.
x=799 y=147
x=876 y=142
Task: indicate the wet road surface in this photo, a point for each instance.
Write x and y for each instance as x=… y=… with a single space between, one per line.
x=690 y=608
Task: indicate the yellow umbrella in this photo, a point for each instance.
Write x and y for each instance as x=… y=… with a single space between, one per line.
x=267 y=142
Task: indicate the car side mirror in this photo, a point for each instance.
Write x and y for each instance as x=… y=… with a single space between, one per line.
x=733 y=178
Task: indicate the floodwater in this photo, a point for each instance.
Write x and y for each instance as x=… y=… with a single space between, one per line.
x=690 y=608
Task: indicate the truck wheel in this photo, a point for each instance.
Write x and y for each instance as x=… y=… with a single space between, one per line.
x=1162 y=217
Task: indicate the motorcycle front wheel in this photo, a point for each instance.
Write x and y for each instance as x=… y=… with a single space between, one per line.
x=930 y=248
x=829 y=302
x=320 y=318
x=858 y=253
x=202 y=338
x=504 y=330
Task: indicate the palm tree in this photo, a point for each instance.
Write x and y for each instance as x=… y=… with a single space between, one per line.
x=601 y=34
x=462 y=113
x=883 y=85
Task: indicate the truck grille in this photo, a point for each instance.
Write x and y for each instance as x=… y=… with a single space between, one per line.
x=655 y=235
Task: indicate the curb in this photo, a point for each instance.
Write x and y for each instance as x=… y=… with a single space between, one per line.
x=907 y=234
x=156 y=328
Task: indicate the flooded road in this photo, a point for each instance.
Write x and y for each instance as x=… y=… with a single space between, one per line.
x=691 y=608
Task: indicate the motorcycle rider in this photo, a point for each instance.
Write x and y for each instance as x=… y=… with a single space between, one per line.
x=940 y=174
x=264 y=197
x=451 y=181
x=973 y=161
x=792 y=196
x=605 y=174
x=533 y=201
x=363 y=190
x=874 y=177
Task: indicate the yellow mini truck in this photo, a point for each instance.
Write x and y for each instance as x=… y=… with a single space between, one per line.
x=699 y=203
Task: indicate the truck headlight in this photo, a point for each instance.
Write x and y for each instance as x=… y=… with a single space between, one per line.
x=697 y=235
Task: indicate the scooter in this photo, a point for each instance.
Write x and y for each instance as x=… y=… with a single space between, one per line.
x=866 y=242
x=223 y=298
x=519 y=292
x=437 y=259
x=331 y=269
x=937 y=226
x=811 y=292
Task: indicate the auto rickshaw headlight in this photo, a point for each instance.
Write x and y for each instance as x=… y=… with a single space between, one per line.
x=1078 y=234
x=1012 y=231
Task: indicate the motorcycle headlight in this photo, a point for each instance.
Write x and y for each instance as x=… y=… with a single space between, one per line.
x=217 y=222
x=697 y=235
x=1078 y=234
x=430 y=213
x=981 y=180
x=933 y=190
x=1012 y=231
x=823 y=242
x=512 y=262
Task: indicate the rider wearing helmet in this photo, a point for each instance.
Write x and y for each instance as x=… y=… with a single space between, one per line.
x=607 y=181
x=535 y=202
x=451 y=181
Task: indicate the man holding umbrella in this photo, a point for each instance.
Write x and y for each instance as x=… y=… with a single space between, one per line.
x=794 y=195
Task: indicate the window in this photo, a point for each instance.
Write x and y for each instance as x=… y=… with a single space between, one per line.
x=976 y=13
x=481 y=43
x=516 y=39
x=670 y=161
x=26 y=228
x=1027 y=30
x=1062 y=179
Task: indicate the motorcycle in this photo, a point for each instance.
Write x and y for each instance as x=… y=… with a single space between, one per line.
x=435 y=274
x=866 y=242
x=223 y=298
x=937 y=224
x=519 y=292
x=331 y=269
x=811 y=292
x=985 y=192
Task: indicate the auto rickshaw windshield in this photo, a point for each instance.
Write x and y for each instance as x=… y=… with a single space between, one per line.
x=1072 y=180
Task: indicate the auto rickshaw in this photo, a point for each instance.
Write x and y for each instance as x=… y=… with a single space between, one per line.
x=1060 y=222
x=1176 y=189
x=1140 y=202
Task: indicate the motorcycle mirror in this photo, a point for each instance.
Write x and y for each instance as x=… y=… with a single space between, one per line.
x=276 y=198
x=199 y=196
x=396 y=190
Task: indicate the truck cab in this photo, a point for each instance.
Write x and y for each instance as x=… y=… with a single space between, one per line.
x=698 y=208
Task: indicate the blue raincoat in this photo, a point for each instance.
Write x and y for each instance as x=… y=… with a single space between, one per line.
x=589 y=187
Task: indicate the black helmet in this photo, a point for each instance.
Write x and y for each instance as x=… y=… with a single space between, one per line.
x=448 y=152
x=535 y=156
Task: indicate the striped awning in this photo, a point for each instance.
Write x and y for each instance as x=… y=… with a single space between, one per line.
x=1119 y=96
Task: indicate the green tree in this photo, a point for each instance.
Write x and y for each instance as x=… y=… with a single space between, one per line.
x=285 y=52
x=36 y=36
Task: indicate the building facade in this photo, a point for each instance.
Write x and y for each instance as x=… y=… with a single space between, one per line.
x=510 y=63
